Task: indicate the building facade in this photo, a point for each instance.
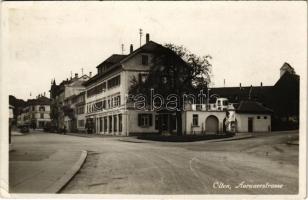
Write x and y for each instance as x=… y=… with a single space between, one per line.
x=65 y=97
x=36 y=113
x=108 y=112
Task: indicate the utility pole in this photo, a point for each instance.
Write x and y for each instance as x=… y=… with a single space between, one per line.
x=122 y=48
x=140 y=33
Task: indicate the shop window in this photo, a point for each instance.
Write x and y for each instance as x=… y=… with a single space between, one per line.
x=120 y=122
x=105 y=124
x=115 y=123
x=110 y=124
x=100 y=124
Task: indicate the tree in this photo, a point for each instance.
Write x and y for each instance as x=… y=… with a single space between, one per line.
x=174 y=72
x=54 y=112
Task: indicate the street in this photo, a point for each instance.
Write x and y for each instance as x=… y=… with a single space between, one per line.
x=121 y=165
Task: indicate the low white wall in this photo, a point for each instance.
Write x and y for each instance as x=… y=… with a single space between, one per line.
x=202 y=116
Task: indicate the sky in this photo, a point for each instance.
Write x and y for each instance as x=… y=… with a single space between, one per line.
x=248 y=41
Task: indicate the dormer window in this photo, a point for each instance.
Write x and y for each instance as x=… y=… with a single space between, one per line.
x=145 y=59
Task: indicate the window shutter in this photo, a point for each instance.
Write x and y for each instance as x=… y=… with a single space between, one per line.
x=150 y=119
x=139 y=119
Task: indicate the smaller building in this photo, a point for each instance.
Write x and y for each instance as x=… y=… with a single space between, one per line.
x=222 y=116
x=252 y=116
x=36 y=113
x=11 y=117
x=74 y=108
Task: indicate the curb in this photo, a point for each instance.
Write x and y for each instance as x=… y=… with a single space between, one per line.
x=69 y=174
x=233 y=139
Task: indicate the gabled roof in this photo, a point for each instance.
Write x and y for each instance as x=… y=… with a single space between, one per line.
x=117 y=60
x=113 y=59
x=286 y=66
x=39 y=101
x=252 y=107
x=147 y=47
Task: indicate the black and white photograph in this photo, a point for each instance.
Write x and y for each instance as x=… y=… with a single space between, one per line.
x=154 y=99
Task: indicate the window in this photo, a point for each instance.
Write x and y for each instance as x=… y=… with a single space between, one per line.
x=42 y=108
x=109 y=106
x=265 y=117
x=120 y=122
x=195 y=120
x=42 y=115
x=219 y=103
x=115 y=123
x=144 y=120
x=258 y=117
x=96 y=90
x=81 y=123
x=113 y=82
x=225 y=103
x=33 y=108
x=80 y=110
x=145 y=59
x=117 y=101
x=142 y=77
x=104 y=104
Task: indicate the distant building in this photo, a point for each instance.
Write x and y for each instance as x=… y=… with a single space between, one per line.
x=286 y=67
x=62 y=97
x=282 y=98
x=75 y=118
x=11 y=118
x=36 y=113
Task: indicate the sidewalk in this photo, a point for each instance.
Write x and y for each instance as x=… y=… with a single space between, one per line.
x=40 y=170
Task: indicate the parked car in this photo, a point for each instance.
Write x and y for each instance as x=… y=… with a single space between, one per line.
x=49 y=127
x=24 y=128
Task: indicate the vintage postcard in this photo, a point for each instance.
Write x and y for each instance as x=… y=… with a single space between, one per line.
x=165 y=100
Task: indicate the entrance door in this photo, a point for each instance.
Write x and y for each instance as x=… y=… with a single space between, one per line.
x=164 y=122
x=250 y=124
x=211 y=124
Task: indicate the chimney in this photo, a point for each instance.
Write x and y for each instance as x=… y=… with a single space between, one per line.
x=147 y=38
x=240 y=85
x=261 y=84
x=131 y=49
x=76 y=75
x=90 y=74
